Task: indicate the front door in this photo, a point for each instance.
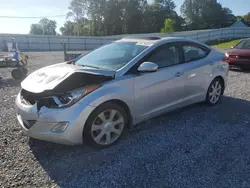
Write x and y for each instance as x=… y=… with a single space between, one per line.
x=156 y=92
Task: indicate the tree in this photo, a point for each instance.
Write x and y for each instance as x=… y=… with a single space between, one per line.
x=206 y=14
x=49 y=26
x=113 y=17
x=154 y=15
x=246 y=18
x=169 y=26
x=133 y=16
x=72 y=28
x=77 y=10
x=36 y=29
x=179 y=22
x=106 y=18
x=239 y=18
x=44 y=27
x=162 y=9
x=227 y=18
x=68 y=28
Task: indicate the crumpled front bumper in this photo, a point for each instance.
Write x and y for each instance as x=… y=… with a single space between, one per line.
x=38 y=124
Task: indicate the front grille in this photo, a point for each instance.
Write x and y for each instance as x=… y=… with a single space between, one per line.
x=244 y=57
x=30 y=98
x=28 y=123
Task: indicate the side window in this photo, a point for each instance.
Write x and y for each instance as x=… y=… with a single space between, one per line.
x=192 y=53
x=165 y=56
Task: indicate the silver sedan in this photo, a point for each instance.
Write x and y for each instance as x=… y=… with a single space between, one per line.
x=95 y=98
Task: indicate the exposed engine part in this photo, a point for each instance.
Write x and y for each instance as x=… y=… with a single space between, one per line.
x=78 y=80
x=56 y=97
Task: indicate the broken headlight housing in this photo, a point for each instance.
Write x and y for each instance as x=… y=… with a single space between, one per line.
x=69 y=98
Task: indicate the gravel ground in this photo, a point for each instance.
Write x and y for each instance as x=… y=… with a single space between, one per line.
x=197 y=146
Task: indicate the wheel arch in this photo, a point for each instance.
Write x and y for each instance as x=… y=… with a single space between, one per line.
x=113 y=101
x=126 y=108
x=222 y=81
x=120 y=103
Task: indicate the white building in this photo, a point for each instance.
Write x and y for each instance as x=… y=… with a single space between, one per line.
x=239 y=24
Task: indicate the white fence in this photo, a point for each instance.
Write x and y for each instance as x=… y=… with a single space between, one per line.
x=75 y=43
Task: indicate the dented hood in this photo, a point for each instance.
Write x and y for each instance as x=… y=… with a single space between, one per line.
x=51 y=77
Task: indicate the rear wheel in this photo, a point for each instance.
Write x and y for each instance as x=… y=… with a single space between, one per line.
x=214 y=92
x=25 y=71
x=106 y=125
x=17 y=74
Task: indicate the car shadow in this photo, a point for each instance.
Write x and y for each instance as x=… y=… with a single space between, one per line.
x=9 y=82
x=70 y=165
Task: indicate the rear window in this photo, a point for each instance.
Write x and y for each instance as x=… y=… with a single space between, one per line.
x=193 y=52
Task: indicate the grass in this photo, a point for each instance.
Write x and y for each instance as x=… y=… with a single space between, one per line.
x=225 y=43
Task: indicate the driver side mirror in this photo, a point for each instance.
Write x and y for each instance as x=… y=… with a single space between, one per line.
x=148 y=67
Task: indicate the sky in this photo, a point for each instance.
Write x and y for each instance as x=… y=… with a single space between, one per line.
x=43 y=8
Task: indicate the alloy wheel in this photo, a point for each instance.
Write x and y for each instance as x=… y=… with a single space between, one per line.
x=215 y=92
x=107 y=127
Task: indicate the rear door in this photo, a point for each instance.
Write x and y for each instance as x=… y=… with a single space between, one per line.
x=197 y=70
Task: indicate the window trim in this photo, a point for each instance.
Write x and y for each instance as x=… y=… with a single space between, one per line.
x=243 y=40
x=133 y=70
x=207 y=50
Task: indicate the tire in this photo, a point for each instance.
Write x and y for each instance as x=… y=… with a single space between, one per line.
x=17 y=74
x=97 y=129
x=215 y=92
x=25 y=71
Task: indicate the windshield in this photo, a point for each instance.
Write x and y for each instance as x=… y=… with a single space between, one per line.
x=112 y=56
x=245 y=44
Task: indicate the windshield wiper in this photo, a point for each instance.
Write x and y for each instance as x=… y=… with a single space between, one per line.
x=90 y=66
x=71 y=62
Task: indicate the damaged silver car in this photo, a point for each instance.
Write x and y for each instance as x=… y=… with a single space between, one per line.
x=95 y=98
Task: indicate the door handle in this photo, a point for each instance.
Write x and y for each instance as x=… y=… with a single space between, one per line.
x=192 y=76
x=211 y=63
x=178 y=74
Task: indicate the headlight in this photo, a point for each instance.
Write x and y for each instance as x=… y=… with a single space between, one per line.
x=226 y=54
x=71 y=97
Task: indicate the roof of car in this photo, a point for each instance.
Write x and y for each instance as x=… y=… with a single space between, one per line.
x=153 y=40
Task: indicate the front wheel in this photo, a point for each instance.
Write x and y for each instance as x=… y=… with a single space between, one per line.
x=214 y=92
x=106 y=125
